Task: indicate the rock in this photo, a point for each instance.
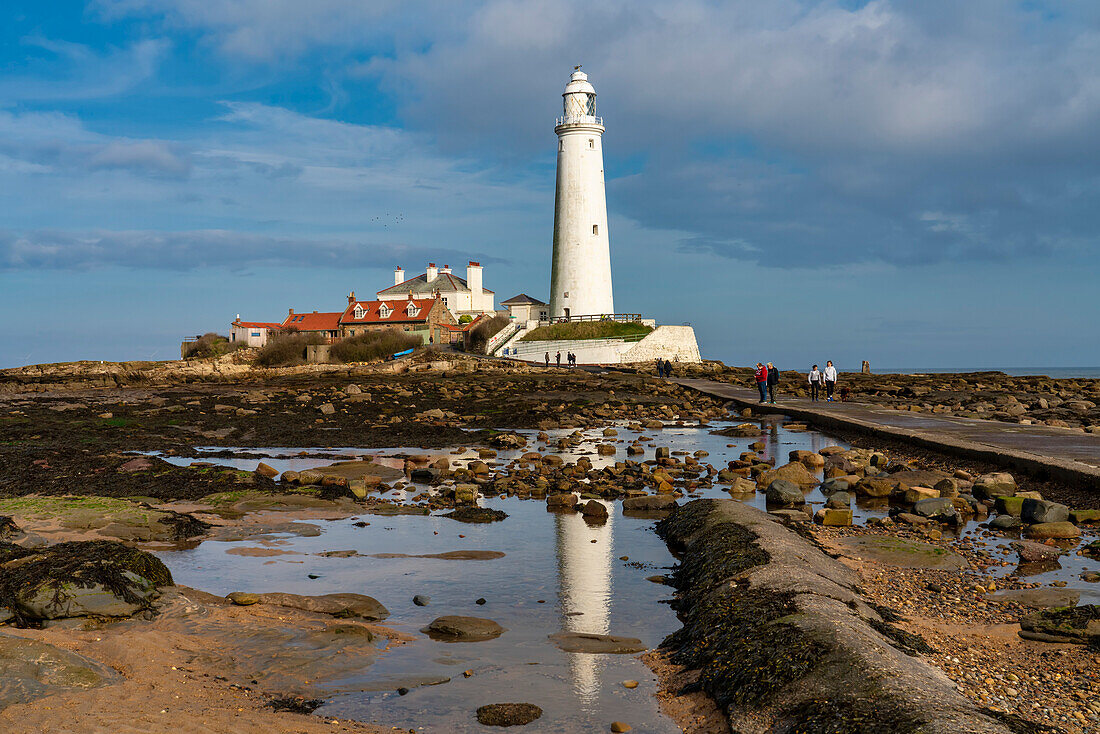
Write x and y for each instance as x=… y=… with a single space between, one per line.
x=782 y=493
x=662 y=452
x=741 y=485
x=587 y=642
x=916 y=494
x=133 y=465
x=422 y=600
x=266 y=471
x=832 y=517
x=609 y=432
x=808 y=458
x=941 y=509
x=1009 y=506
x=290 y=477
x=30 y=669
x=631 y=684
x=508 y=714
x=993 y=485
x=336 y=605
x=1039 y=598
x=1043 y=511
x=594 y=510
x=875 y=487
x=1077 y=517
x=1030 y=552
x=606 y=449
x=830 y=486
x=566 y=501
x=947 y=487
x=243 y=598
x=839 y=501
x=794 y=472
x=465 y=494
x=1078 y=625
x=649 y=503
x=8 y=528
x=327 y=409
x=476 y=514
x=82 y=578
x=456 y=628
x=352 y=390
x=1005 y=522
x=619 y=726
x=1045 y=530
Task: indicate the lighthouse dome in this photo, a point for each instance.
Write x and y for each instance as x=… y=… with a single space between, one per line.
x=579 y=99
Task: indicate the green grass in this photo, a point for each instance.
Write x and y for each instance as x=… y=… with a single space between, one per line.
x=587 y=330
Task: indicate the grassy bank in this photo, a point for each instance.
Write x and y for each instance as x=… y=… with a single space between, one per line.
x=587 y=330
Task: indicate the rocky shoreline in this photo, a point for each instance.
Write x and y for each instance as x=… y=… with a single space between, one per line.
x=97 y=466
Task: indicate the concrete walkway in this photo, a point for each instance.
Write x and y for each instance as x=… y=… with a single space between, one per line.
x=1042 y=451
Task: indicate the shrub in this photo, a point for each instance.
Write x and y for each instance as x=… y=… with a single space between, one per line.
x=485 y=330
x=587 y=330
x=465 y=318
x=210 y=345
x=286 y=349
x=373 y=345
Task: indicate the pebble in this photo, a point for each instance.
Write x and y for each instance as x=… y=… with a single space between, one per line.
x=619 y=726
x=630 y=684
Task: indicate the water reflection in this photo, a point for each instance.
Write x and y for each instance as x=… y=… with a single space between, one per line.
x=584 y=592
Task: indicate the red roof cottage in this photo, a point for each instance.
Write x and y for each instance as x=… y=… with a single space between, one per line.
x=325 y=324
x=426 y=317
x=252 y=333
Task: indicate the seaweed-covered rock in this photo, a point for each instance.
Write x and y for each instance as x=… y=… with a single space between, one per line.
x=78 y=579
x=477 y=514
x=455 y=628
x=8 y=528
x=508 y=714
x=1079 y=625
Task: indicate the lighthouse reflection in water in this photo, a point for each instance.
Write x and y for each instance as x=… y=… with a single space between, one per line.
x=585 y=591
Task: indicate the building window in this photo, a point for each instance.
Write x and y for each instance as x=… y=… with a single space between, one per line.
x=595 y=229
x=256 y=334
x=358 y=312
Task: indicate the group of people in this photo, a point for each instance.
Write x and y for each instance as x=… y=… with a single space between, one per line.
x=664 y=368
x=570 y=358
x=767 y=381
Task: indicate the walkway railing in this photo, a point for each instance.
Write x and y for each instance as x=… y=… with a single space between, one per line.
x=623 y=317
x=579 y=120
x=501 y=338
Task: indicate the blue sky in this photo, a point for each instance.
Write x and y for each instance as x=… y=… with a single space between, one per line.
x=912 y=183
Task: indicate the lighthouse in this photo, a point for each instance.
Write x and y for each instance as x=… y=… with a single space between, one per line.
x=580 y=278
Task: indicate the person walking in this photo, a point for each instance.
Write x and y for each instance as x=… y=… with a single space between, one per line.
x=773 y=380
x=830 y=380
x=762 y=381
x=557 y=358
x=814 y=379
x=668 y=369
x=548 y=359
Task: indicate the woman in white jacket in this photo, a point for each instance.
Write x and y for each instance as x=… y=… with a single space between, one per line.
x=814 y=379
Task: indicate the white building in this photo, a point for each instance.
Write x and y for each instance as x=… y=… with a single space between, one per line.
x=580 y=279
x=461 y=296
x=524 y=308
x=252 y=333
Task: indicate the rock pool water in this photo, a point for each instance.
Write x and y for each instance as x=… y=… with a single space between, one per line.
x=558 y=574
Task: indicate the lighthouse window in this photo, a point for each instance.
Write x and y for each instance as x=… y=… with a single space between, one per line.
x=591 y=143
x=561 y=145
x=595 y=229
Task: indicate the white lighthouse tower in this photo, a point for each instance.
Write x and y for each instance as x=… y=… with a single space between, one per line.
x=580 y=281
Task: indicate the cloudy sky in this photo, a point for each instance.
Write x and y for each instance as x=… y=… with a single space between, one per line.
x=912 y=183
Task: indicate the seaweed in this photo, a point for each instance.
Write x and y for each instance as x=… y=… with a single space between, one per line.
x=8 y=528
x=1020 y=725
x=183 y=525
x=83 y=563
x=909 y=643
x=295 y=704
x=849 y=715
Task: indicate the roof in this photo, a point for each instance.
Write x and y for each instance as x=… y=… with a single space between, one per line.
x=313 y=321
x=444 y=283
x=397 y=314
x=257 y=325
x=522 y=300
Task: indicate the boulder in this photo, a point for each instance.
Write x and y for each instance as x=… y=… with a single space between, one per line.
x=808 y=458
x=794 y=472
x=594 y=510
x=80 y=578
x=916 y=494
x=1042 y=511
x=941 y=509
x=1031 y=552
x=782 y=493
x=508 y=714
x=564 y=501
x=997 y=484
x=649 y=503
x=587 y=642
x=837 y=484
x=456 y=628
x=1079 y=625
x=839 y=501
x=1005 y=522
x=1045 y=530
x=476 y=514
x=875 y=487
x=336 y=605
x=265 y=470
x=1009 y=506
x=831 y=517
x=948 y=487
x=1077 y=517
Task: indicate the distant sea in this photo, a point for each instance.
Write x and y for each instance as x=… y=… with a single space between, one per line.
x=1090 y=372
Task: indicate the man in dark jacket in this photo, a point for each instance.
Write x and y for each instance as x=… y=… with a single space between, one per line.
x=762 y=380
x=773 y=380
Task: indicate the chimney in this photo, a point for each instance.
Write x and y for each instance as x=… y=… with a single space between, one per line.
x=351 y=298
x=446 y=270
x=238 y=317
x=291 y=311
x=473 y=280
x=432 y=273
x=398 y=275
